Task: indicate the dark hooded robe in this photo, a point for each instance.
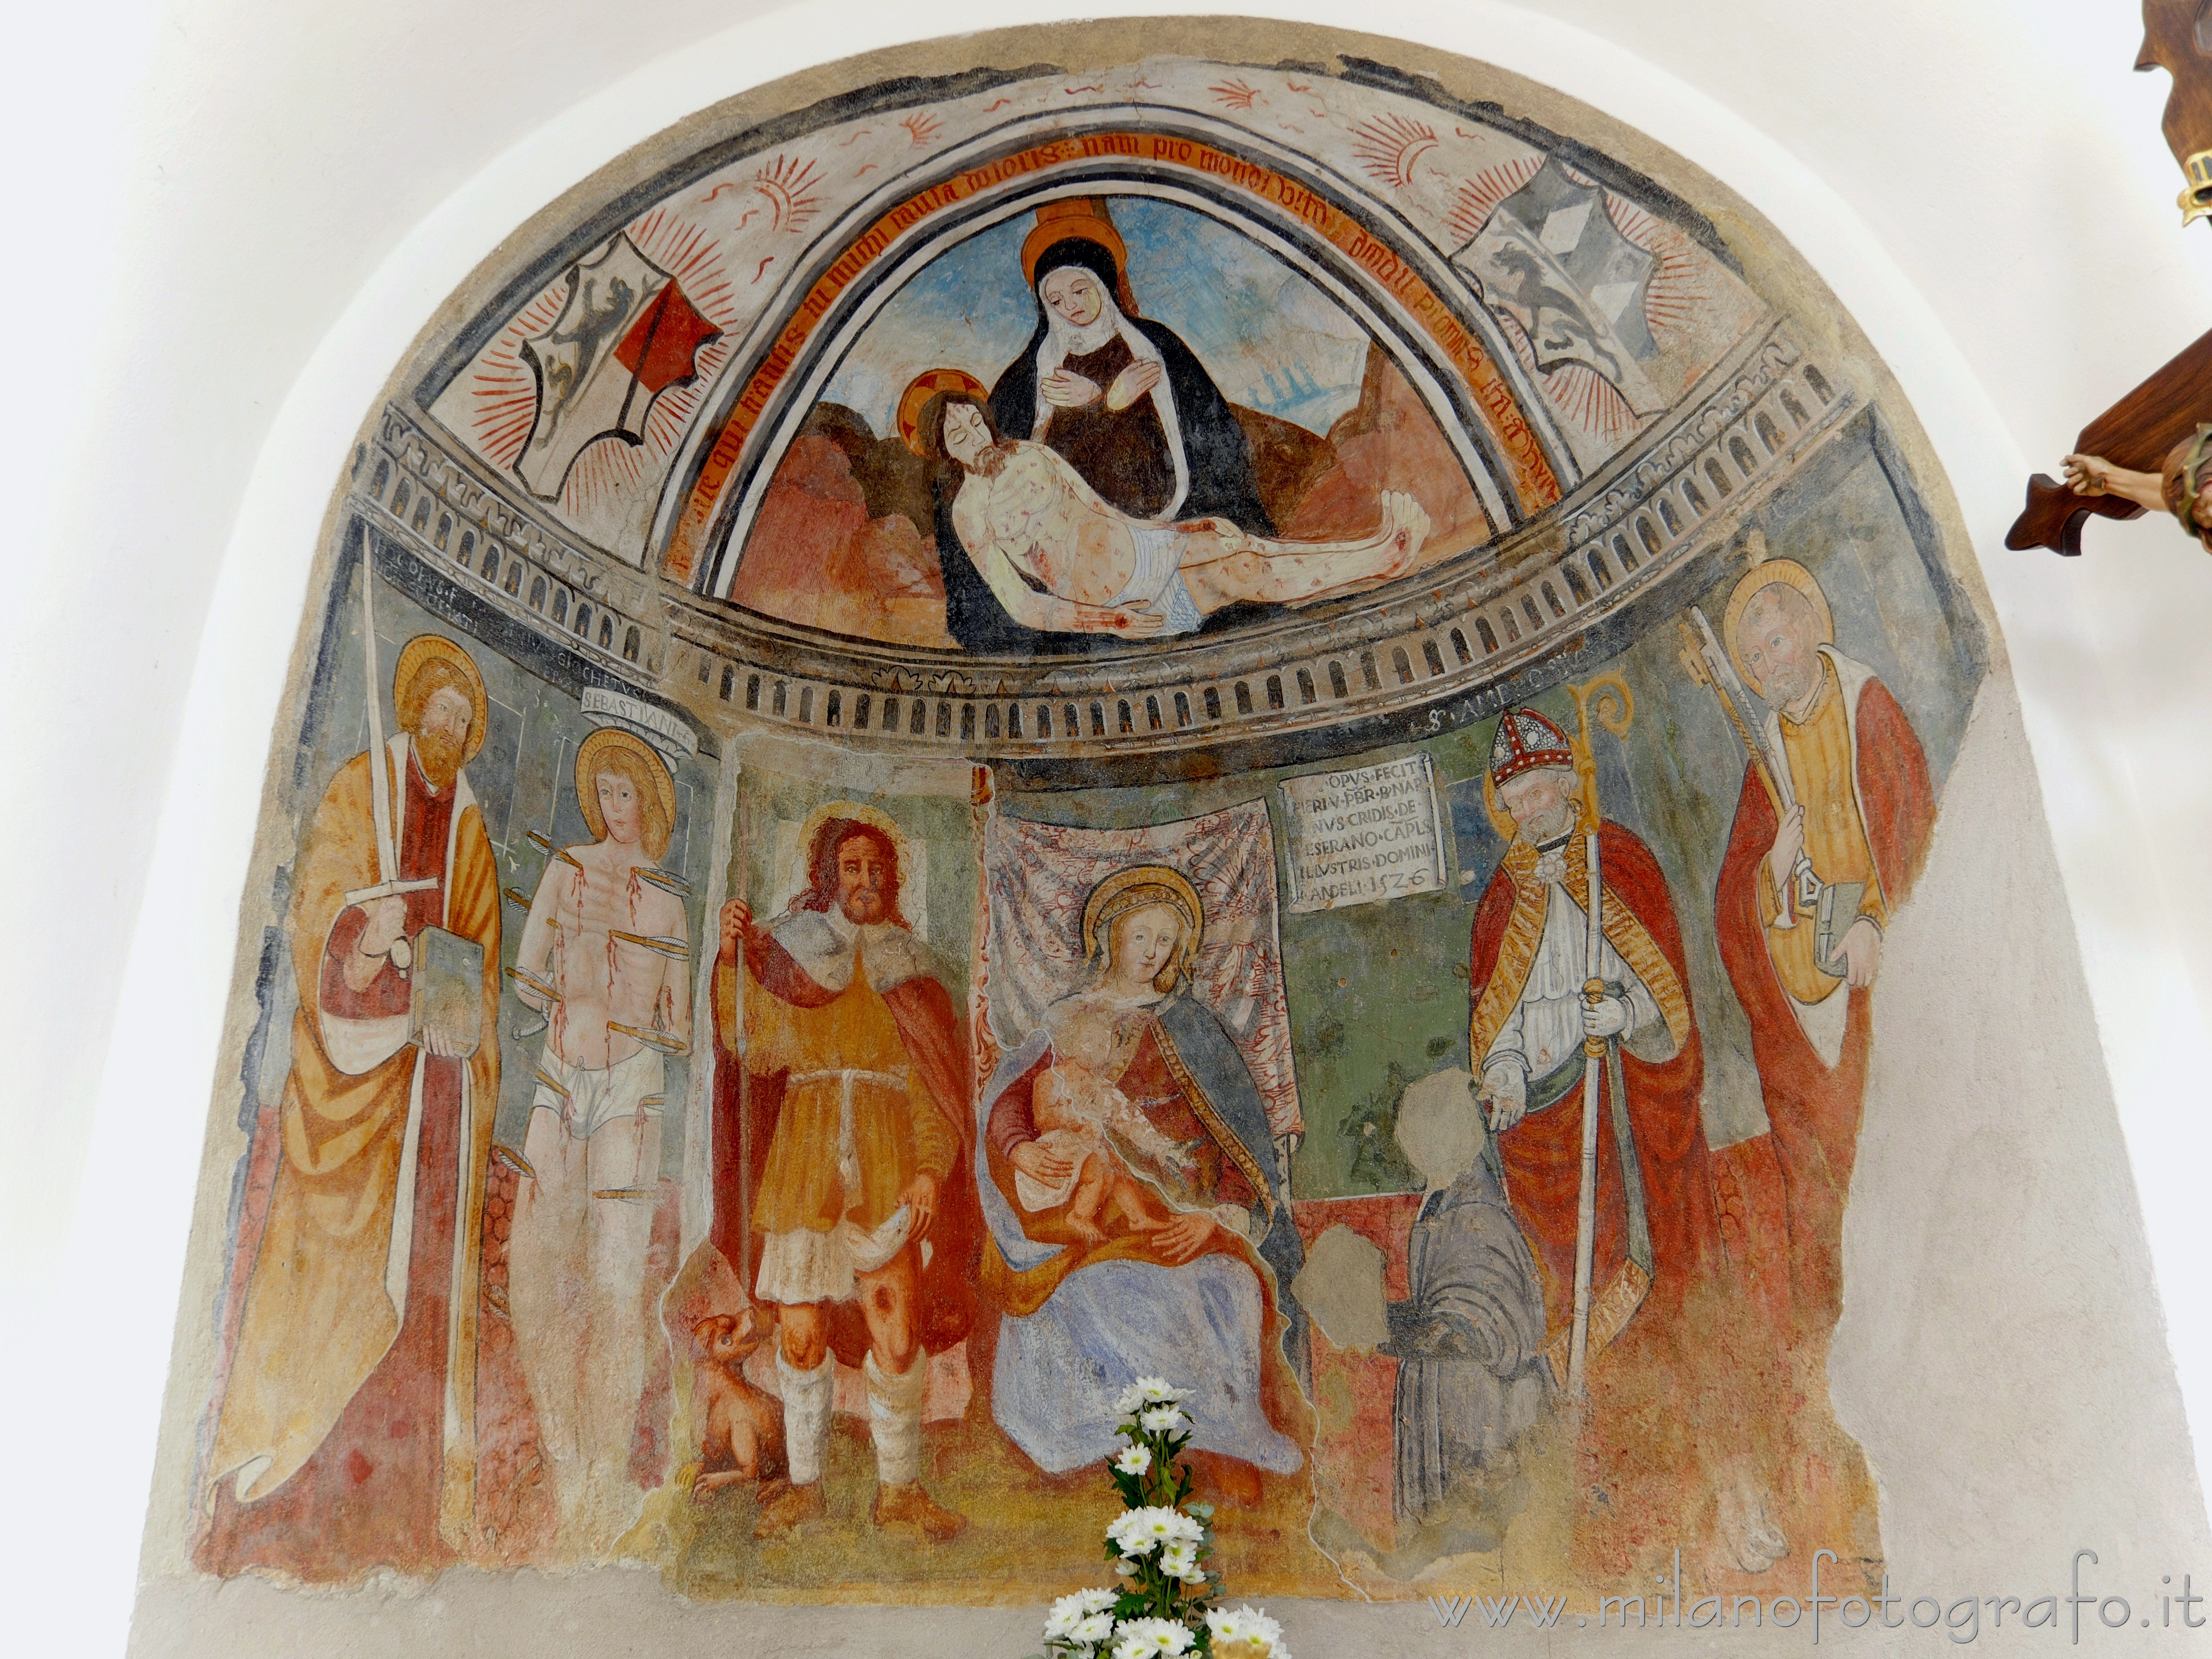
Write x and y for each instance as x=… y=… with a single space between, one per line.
x=1124 y=455
x=1469 y=1343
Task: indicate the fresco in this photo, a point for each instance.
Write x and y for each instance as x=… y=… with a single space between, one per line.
x=727 y=384
x=1038 y=321
x=707 y=1114
x=455 y=1218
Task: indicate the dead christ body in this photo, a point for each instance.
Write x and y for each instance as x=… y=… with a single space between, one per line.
x=1060 y=560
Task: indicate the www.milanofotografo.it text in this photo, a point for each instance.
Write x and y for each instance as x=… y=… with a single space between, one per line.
x=1960 y=1619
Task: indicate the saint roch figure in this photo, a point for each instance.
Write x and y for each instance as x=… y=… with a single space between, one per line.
x=847 y=1150
x=346 y=1437
x=1121 y=397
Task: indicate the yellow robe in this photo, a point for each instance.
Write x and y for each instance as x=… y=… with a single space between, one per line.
x=897 y=1132
x=318 y=1317
x=1823 y=767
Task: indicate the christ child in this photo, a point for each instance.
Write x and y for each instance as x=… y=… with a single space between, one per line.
x=1076 y=1103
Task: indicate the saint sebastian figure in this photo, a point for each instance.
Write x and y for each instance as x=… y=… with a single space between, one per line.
x=1657 y=1432
x=603 y=956
x=346 y=1438
x=1862 y=810
x=1060 y=559
x=851 y=1145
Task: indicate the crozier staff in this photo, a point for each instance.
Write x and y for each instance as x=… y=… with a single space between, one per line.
x=1657 y=1259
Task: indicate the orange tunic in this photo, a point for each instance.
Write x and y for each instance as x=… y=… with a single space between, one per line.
x=768 y=1113
x=899 y=1132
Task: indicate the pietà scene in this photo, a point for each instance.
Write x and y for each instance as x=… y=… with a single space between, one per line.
x=1266 y=718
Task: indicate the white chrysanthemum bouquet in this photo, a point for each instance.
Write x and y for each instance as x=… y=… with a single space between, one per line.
x=1158 y=1544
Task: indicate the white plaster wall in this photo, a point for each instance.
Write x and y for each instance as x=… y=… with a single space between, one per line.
x=245 y=212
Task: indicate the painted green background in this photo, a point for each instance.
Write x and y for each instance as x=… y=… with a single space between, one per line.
x=1379 y=993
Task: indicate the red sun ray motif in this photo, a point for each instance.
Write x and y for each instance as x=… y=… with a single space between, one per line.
x=693 y=258
x=1579 y=393
x=1479 y=196
x=923 y=128
x=1235 y=94
x=1388 y=145
x=502 y=394
x=1586 y=397
x=788 y=184
x=1679 y=286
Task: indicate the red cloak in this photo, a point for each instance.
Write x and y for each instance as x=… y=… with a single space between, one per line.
x=935 y=1038
x=1668 y=1394
x=1542 y=1154
x=350 y=1408
x=1814 y=1111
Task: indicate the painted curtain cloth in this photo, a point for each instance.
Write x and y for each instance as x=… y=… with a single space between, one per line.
x=1039 y=875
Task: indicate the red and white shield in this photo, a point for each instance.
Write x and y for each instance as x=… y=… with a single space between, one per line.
x=625 y=335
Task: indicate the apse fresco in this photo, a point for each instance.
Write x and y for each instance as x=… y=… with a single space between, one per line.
x=1300 y=296
x=1317 y=426
x=1260 y=725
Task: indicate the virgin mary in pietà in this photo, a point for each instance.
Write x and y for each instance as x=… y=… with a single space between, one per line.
x=1120 y=396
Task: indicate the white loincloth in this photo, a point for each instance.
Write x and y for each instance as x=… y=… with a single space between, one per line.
x=588 y=1101
x=1156 y=585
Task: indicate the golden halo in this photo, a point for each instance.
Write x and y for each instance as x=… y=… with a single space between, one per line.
x=1789 y=574
x=1137 y=888
x=587 y=772
x=1081 y=219
x=419 y=653
x=874 y=816
x=926 y=385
